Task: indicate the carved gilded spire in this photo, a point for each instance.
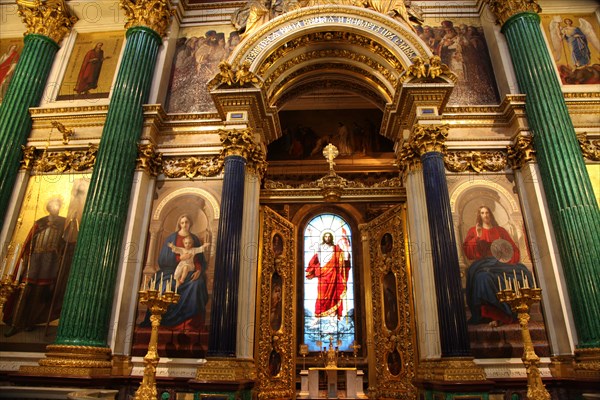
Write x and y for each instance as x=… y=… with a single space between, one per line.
x=428 y=138
x=504 y=9
x=50 y=18
x=521 y=152
x=241 y=143
x=153 y=14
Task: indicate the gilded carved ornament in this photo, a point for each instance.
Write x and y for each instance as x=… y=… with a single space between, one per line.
x=589 y=148
x=429 y=138
x=50 y=18
x=521 y=152
x=407 y=159
x=67 y=133
x=148 y=159
x=428 y=68
x=59 y=161
x=476 y=161
x=153 y=14
x=504 y=9
x=192 y=167
x=235 y=78
x=241 y=143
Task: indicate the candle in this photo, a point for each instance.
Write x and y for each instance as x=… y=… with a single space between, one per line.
x=534 y=282
x=170 y=285
x=13 y=260
x=161 y=283
x=19 y=271
x=515 y=274
x=526 y=282
x=176 y=286
x=499 y=285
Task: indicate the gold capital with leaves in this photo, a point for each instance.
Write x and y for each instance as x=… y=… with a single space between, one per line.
x=149 y=159
x=504 y=9
x=521 y=152
x=50 y=18
x=429 y=138
x=153 y=14
x=240 y=142
x=407 y=160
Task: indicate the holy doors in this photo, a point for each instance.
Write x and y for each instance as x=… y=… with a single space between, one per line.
x=329 y=275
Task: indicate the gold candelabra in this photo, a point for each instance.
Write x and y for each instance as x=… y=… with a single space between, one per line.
x=157 y=300
x=520 y=297
x=9 y=282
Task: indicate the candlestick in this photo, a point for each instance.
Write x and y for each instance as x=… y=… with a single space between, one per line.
x=157 y=304
x=520 y=300
x=499 y=284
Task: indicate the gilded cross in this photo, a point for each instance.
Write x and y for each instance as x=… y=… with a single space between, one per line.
x=330 y=152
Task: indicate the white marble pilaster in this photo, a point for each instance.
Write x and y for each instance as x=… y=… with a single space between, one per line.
x=544 y=252
x=248 y=267
x=422 y=266
x=129 y=273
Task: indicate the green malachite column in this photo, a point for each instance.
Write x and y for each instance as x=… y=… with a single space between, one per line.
x=26 y=88
x=88 y=300
x=574 y=211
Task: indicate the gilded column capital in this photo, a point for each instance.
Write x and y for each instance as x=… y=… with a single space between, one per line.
x=521 y=152
x=148 y=159
x=406 y=159
x=504 y=9
x=241 y=143
x=429 y=138
x=50 y=18
x=153 y=14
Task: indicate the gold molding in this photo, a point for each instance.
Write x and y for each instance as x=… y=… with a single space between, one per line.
x=234 y=78
x=226 y=369
x=153 y=14
x=587 y=363
x=589 y=148
x=504 y=9
x=72 y=360
x=520 y=152
x=450 y=370
x=50 y=18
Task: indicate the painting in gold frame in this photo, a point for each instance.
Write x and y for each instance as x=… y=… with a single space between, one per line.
x=92 y=65
x=575 y=46
x=39 y=256
x=10 y=50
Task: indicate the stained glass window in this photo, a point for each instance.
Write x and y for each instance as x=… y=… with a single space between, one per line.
x=328 y=283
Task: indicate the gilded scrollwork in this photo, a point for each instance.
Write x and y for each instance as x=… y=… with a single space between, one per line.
x=43 y=161
x=149 y=159
x=154 y=14
x=192 y=167
x=476 y=161
x=49 y=18
x=504 y=9
x=428 y=138
x=589 y=148
x=521 y=152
